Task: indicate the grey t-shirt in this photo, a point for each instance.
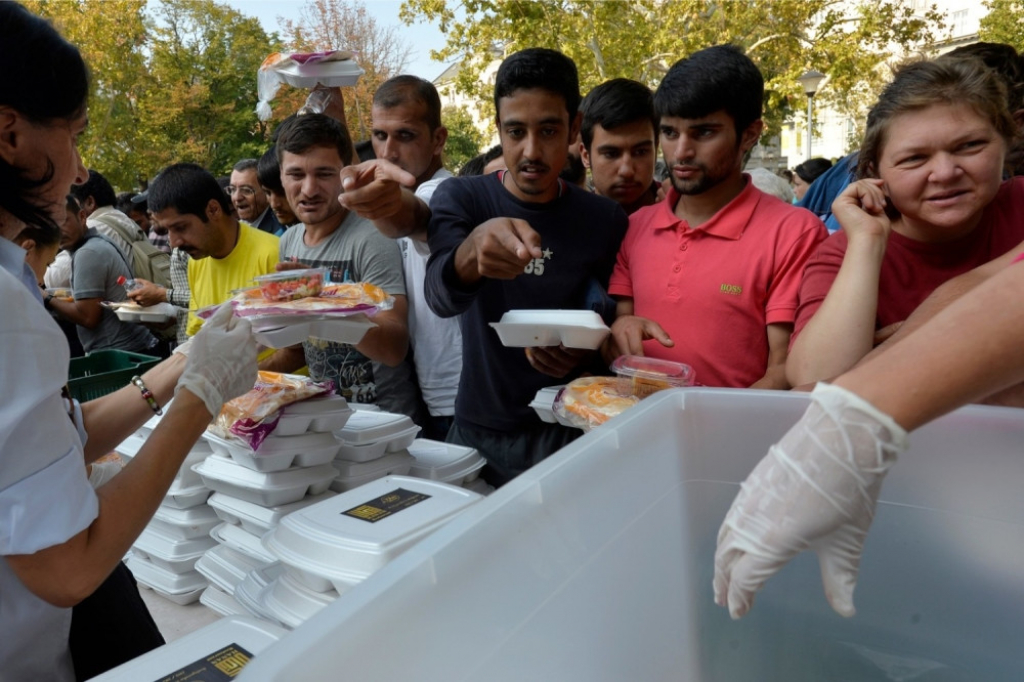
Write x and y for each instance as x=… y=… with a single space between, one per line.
x=355 y=252
x=95 y=267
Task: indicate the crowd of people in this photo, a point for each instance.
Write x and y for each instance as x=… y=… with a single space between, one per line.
x=687 y=260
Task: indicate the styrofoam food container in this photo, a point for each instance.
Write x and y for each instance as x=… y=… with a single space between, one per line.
x=348 y=329
x=277 y=453
x=292 y=603
x=180 y=588
x=256 y=518
x=185 y=524
x=446 y=462
x=225 y=568
x=354 y=474
x=362 y=453
x=326 y=547
x=369 y=427
x=161 y=312
x=544 y=403
x=365 y=407
x=243 y=542
x=271 y=489
x=479 y=486
x=129 y=448
x=234 y=637
x=170 y=553
x=249 y=592
x=320 y=415
x=180 y=496
x=538 y=328
x=221 y=602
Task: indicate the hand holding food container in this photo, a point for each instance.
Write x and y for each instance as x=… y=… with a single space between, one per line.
x=332 y=68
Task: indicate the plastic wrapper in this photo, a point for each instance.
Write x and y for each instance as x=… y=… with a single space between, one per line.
x=591 y=401
x=650 y=375
x=348 y=298
x=253 y=416
x=332 y=68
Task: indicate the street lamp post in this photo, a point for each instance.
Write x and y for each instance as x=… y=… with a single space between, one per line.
x=810 y=81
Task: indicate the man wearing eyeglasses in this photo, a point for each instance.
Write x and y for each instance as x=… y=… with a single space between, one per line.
x=250 y=200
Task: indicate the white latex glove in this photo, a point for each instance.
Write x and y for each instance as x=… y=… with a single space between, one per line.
x=815 y=489
x=221 y=360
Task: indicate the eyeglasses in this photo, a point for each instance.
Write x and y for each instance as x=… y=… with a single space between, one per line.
x=244 y=190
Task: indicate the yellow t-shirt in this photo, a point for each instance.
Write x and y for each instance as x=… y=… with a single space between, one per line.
x=212 y=280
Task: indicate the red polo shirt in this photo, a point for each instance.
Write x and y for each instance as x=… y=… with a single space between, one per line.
x=716 y=287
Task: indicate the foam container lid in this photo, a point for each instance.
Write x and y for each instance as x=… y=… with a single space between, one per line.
x=534 y=328
x=170 y=552
x=256 y=518
x=162 y=580
x=185 y=524
x=185 y=495
x=369 y=427
x=225 y=568
x=353 y=534
x=221 y=602
x=292 y=603
x=234 y=638
x=278 y=453
x=270 y=489
x=393 y=463
x=320 y=414
x=440 y=461
x=242 y=541
x=332 y=74
x=348 y=329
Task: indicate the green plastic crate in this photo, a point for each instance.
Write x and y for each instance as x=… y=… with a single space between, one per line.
x=104 y=371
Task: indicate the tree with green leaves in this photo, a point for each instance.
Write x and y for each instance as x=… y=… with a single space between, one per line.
x=849 y=41
x=1004 y=23
x=464 y=139
x=341 y=25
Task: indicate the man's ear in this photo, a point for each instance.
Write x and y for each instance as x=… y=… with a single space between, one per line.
x=213 y=210
x=28 y=244
x=9 y=134
x=440 y=138
x=751 y=135
x=89 y=205
x=584 y=156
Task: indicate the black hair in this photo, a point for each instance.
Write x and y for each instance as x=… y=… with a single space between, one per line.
x=1004 y=60
x=616 y=103
x=188 y=189
x=127 y=203
x=713 y=79
x=245 y=164
x=364 y=150
x=404 y=89
x=268 y=171
x=539 y=67
x=34 y=54
x=810 y=169
x=476 y=165
x=97 y=187
x=302 y=133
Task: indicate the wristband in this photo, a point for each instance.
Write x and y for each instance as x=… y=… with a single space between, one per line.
x=147 y=394
x=168 y=293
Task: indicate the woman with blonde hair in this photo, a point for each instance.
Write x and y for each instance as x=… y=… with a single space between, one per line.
x=930 y=204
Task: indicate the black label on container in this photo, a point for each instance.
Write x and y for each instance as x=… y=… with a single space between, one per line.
x=221 y=665
x=386 y=505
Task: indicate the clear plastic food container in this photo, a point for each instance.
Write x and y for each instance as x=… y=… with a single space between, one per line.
x=650 y=375
x=290 y=285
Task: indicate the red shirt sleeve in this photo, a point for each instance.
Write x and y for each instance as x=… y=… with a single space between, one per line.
x=820 y=272
x=808 y=232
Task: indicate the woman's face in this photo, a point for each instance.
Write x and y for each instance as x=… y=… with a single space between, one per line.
x=941 y=166
x=40 y=257
x=799 y=187
x=56 y=141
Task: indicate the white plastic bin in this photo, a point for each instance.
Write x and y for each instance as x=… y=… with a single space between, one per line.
x=596 y=566
x=215 y=652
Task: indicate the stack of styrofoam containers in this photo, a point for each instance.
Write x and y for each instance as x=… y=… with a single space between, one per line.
x=329 y=547
x=256 y=488
x=163 y=557
x=373 y=445
x=448 y=463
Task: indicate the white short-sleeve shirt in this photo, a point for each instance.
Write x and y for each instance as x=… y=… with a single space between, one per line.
x=45 y=496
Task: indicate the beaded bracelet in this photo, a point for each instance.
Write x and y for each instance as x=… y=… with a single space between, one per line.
x=147 y=394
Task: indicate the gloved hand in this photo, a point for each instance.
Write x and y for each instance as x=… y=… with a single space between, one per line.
x=221 y=360
x=815 y=489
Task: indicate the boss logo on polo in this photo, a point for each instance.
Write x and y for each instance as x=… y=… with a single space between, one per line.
x=731 y=289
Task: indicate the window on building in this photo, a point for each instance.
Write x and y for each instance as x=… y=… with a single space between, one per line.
x=958 y=21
